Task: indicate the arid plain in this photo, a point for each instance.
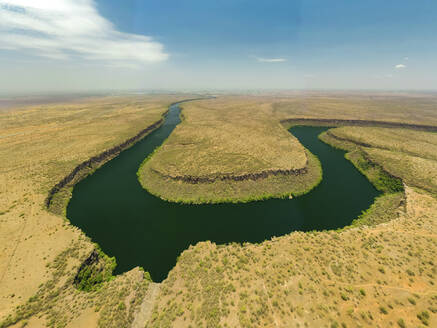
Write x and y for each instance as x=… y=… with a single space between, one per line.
x=378 y=272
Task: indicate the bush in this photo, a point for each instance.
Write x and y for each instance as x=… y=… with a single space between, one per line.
x=424 y=317
x=401 y=323
x=96 y=269
x=383 y=310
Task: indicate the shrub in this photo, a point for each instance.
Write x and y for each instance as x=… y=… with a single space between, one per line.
x=383 y=310
x=424 y=317
x=401 y=323
x=96 y=269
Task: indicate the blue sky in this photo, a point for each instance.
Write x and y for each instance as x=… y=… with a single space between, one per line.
x=224 y=44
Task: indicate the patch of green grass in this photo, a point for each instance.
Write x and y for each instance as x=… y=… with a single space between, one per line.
x=390 y=156
x=96 y=270
x=379 y=178
x=384 y=209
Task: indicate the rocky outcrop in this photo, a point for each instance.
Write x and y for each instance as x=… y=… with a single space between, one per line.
x=340 y=122
x=83 y=168
x=94 y=271
x=97 y=160
x=229 y=177
x=358 y=143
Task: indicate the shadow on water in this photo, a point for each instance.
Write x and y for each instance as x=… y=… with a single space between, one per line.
x=139 y=229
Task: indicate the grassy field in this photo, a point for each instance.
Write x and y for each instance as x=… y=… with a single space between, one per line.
x=219 y=191
x=227 y=151
x=409 y=155
x=41 y=252
x=237 y=138
x=378 y=272
x=412 y=108
x=377 y=276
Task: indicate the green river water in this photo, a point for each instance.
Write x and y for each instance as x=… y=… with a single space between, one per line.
x=139 y=229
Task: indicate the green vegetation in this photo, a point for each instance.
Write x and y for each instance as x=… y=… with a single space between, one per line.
x=401 y=323
x=381 y=179
x=385 y=208
x=388 y=156
x=424 y=317
x=96 y=270
x=383 y=310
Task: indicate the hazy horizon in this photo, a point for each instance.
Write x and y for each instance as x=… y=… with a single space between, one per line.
x=110 y=46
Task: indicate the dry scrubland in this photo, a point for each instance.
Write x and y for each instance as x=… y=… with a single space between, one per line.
x=411 y=155
x=390 y=107
x=379 y=276
x=229 y=150
x=40 y=253
x=226 y=149
x=379 y=272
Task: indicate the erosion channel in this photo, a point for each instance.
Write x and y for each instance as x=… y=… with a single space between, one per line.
x=139 y=229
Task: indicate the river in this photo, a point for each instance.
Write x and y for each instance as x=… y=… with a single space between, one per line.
x=139 y=229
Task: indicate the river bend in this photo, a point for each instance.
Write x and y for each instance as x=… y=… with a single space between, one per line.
x=139 y=229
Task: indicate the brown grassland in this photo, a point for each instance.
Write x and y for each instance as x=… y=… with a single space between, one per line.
x=41 y=252
x=378 y=272
x=390 y=107
x=411 y=155
x=229 y=151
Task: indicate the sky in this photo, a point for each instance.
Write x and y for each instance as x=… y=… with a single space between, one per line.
x=86 y=45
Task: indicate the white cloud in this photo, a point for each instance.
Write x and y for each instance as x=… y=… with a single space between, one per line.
x=400 y=66
x=270 y=60
x=406 y=58
x=62 y=29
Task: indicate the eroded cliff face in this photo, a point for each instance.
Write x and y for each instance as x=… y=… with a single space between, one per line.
x=42 y=252
x=94 y=271
x=84 y=168
x=346 y=122
x=229 y=177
